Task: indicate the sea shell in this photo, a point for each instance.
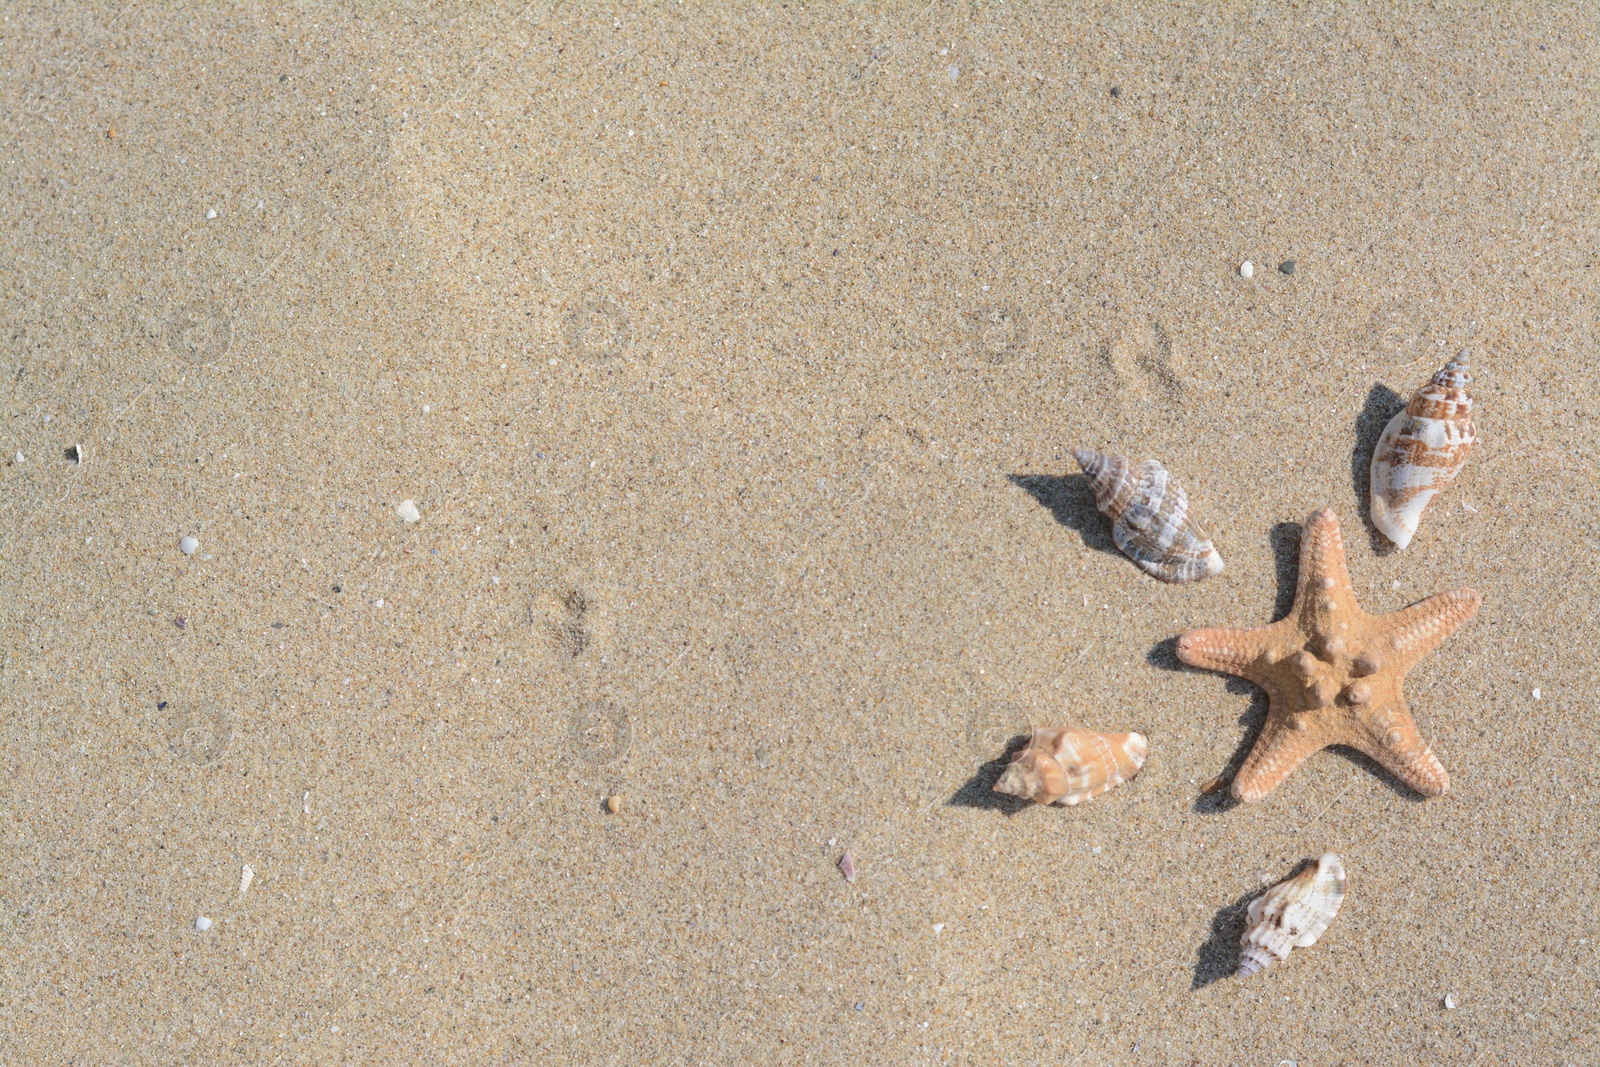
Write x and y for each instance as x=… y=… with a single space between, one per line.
x=1291 y=915
x=1070 y=766
x=1422 y=450
x=1150 y=518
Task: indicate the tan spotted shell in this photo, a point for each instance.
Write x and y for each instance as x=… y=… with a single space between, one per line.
x=1068 y=765
x=1292 y=914
x=1422 y=450
x=1150 y=519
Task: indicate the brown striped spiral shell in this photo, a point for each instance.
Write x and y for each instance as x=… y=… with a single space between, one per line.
x=1422 y=450
x=1150 y=519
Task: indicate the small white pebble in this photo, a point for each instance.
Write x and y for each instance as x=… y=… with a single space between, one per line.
x=954 y=72
x=553 y=362
x=1449 y=1002
x=202 y=924
x=20 y=457
x=502 y=366
x=832 y=841
x=211 y=213
x=1395 y=584
x=187 y=544
x=305 y=803
x=1536 y=695
x=938 y=928
x=1095 y=850
x=426 y=409
x=246 y=876
x=1247 y=270
x=408 y=511
x=380 y=602
x=47 y=418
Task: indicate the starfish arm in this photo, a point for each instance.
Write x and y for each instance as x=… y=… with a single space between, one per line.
x=1229 y=651
x=1391 y=737
x=1277 y=752
x=1321 y=555
x=1415 y=631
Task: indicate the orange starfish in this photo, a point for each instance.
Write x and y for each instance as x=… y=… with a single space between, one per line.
x=1332 y=672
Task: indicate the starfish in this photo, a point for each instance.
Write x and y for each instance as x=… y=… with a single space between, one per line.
x=1332 y=672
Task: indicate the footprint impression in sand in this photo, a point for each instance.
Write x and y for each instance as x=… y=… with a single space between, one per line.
x=196 y=732
x=572 y=629
x=1136 y=352
x=563 y=618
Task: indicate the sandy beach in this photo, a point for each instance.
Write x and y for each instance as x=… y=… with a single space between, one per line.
x=732 y=358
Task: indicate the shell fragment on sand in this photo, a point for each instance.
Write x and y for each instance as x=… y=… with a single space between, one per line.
x=1292 y=914
x=1422 y=450
x=1150 y=518
x=1071 y=766
x=408 y=512
x=847 y=867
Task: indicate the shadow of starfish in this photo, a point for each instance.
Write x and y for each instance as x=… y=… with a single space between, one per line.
x=1285 y=541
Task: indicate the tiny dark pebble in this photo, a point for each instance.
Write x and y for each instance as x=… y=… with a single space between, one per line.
x=180 y=623
x=336 y=589
x=1116 y=92
x=277 y=626
x=161 y=705
x=1286 y=267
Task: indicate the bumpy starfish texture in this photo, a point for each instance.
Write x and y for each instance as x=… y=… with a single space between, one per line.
x=1332 y=672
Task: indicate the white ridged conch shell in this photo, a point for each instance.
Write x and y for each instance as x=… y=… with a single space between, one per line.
x=1422 y=450
x=1150 y=518
x=1070 y=766
x=1291 y=915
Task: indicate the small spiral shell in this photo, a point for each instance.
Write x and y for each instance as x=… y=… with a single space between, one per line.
x=1422 y=450
x=1071 y=766
x=1150 y=520
x=1292 y=914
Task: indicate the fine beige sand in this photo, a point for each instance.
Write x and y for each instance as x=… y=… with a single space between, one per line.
x=732 y=357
